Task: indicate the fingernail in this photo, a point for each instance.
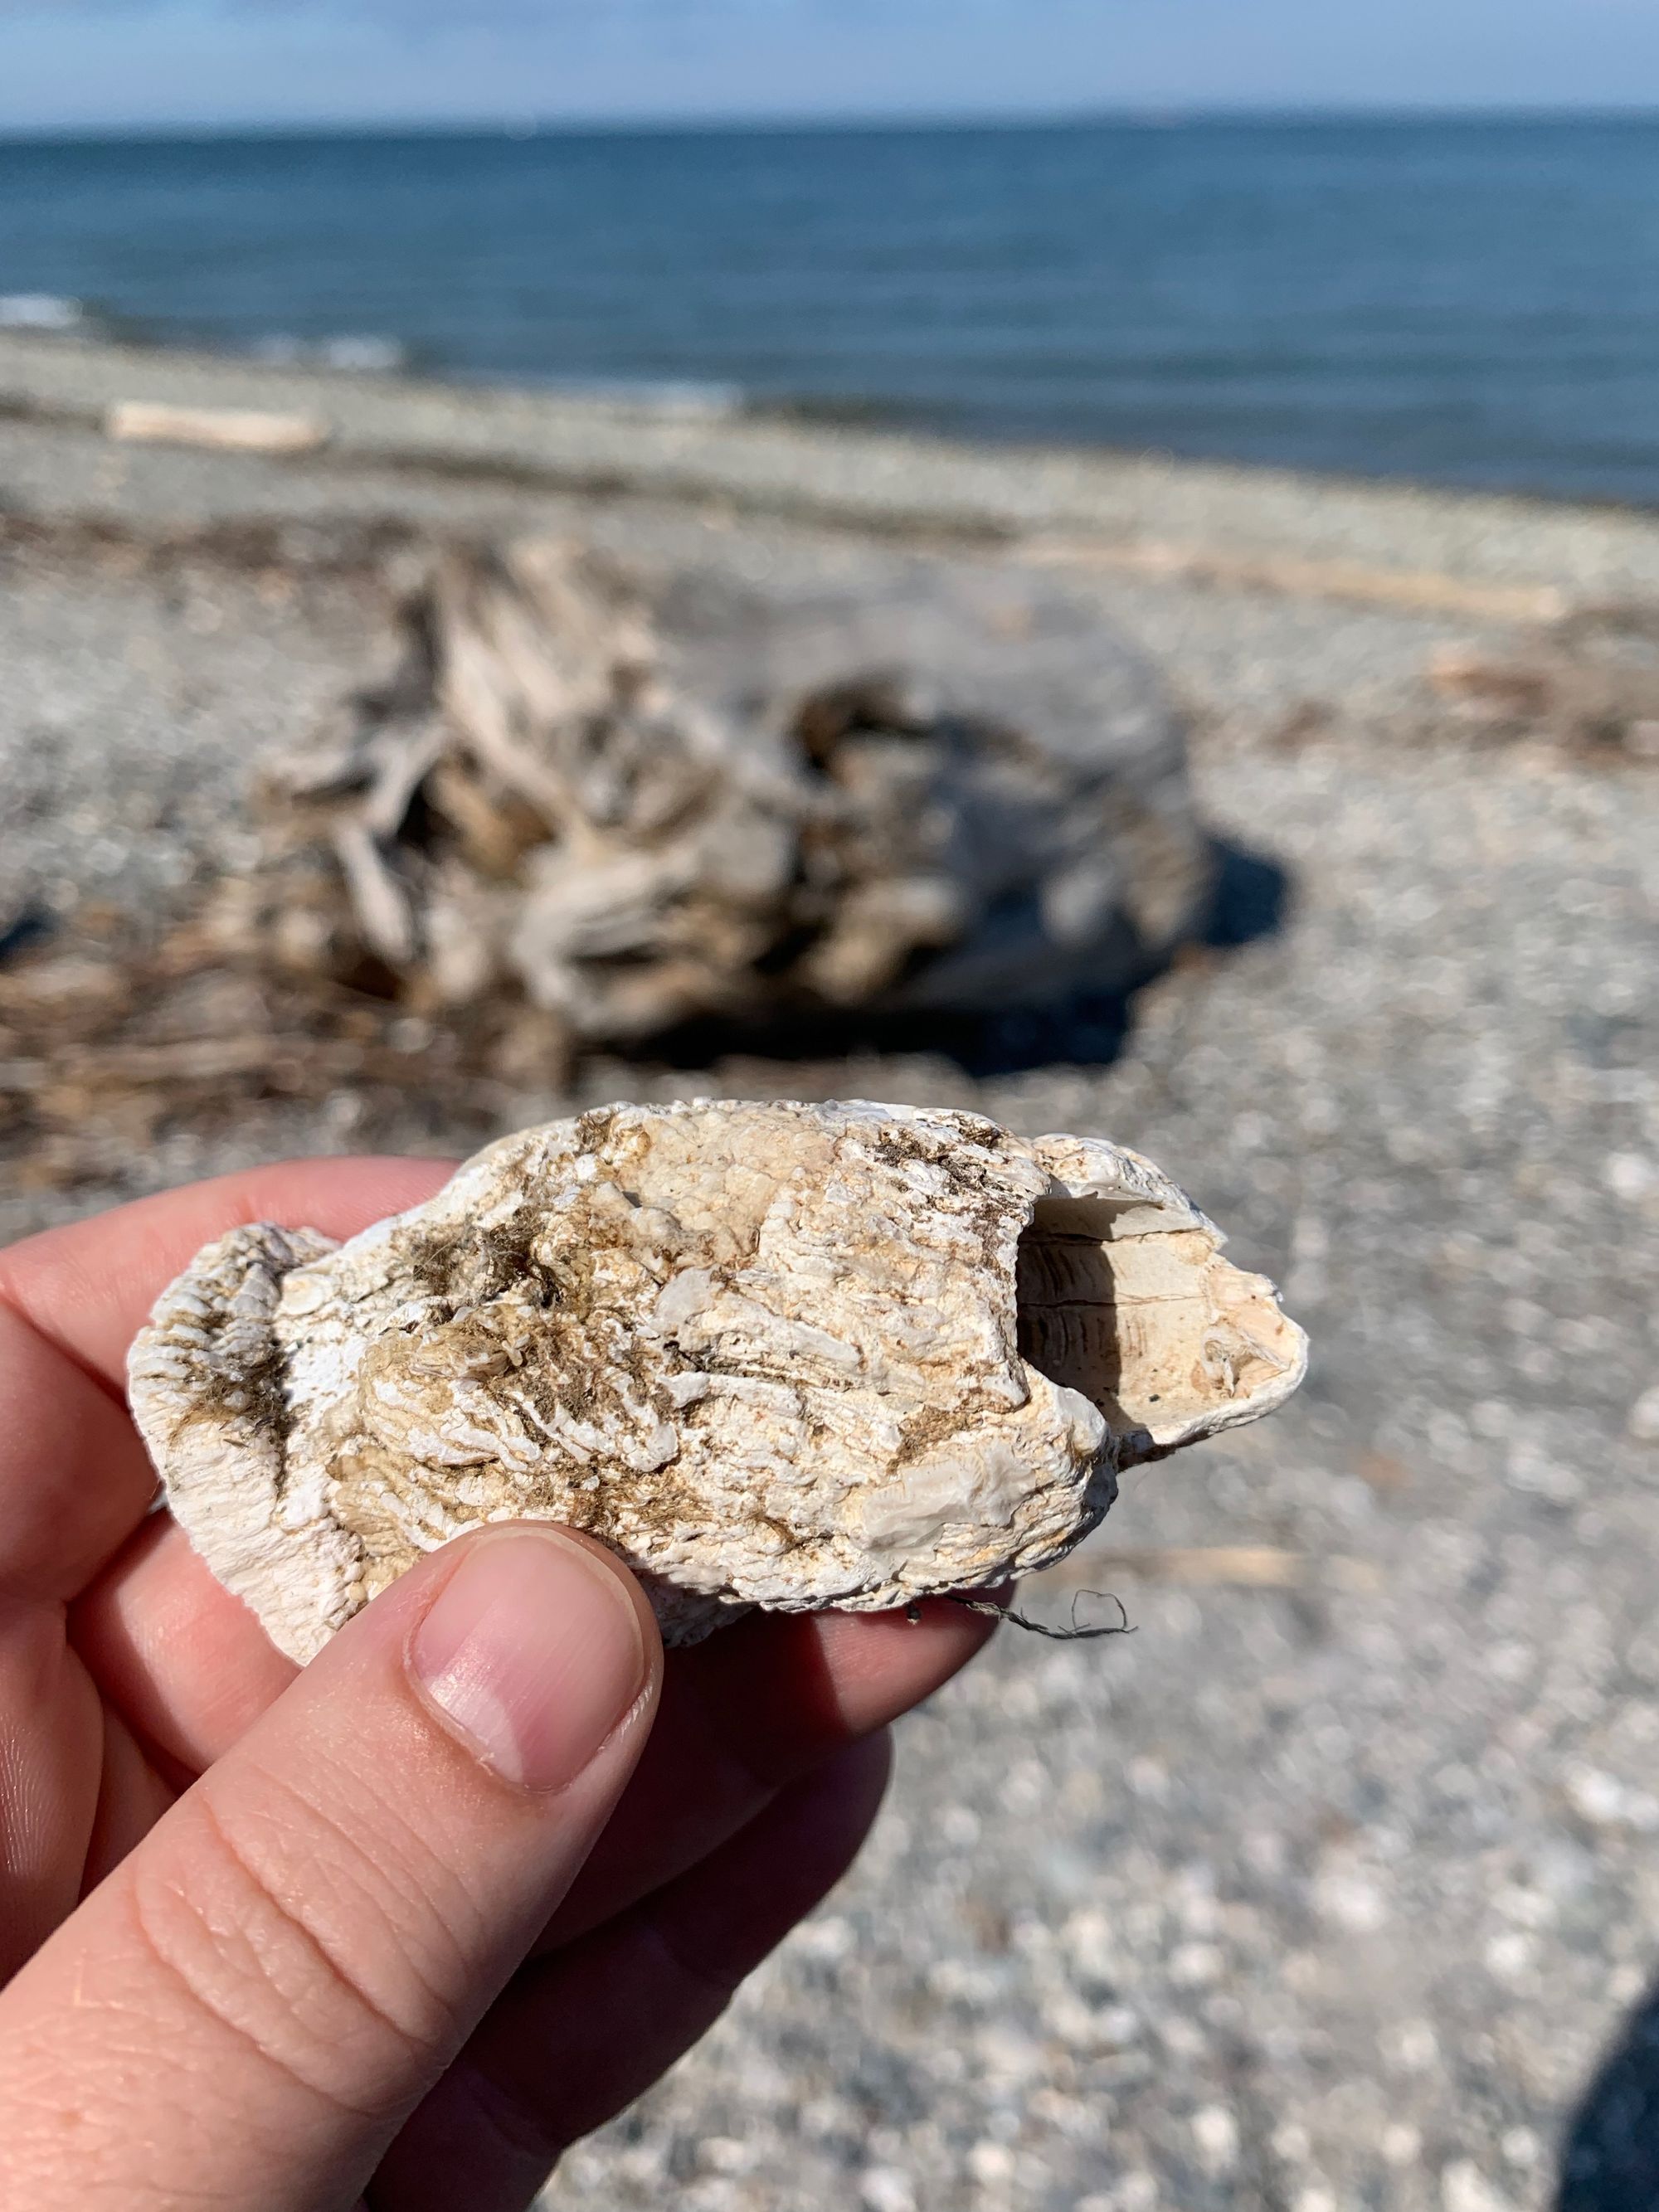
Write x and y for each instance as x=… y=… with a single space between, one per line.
x=533 y=1652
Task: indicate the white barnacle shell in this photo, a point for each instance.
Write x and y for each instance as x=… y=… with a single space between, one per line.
x=780 y=1355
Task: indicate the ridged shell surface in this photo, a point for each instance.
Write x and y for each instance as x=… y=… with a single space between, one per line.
x=777 y=1355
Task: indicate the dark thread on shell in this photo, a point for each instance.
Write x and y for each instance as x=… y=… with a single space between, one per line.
x=1072 y=1635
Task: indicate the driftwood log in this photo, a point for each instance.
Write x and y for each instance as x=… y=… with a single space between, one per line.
x=619 y=819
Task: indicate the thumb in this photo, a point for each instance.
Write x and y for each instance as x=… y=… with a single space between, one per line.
x=246 y=2011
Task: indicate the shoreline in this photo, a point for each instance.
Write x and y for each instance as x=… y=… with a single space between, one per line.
x=36 y=319
x=1153 y=512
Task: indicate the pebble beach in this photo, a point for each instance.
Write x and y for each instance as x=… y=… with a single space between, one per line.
x=1336 y=1884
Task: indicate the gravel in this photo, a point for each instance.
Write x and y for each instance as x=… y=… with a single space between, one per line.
x=1297 y=1899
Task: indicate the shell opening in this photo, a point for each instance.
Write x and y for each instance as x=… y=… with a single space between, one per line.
x=1067 y=1298
x=1150 y=1325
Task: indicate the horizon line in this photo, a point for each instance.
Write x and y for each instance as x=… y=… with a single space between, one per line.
x=1145 y=115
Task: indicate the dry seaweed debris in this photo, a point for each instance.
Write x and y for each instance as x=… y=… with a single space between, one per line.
x=107 y=1043
x=1589 y=681
x=537 y=804
x=776 y=1354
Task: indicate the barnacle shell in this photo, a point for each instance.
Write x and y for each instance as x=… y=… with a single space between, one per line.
x=778 y=1355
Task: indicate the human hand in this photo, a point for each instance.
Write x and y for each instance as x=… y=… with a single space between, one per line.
x=392 y=1932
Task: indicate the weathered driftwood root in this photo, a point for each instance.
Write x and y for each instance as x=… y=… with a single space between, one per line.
x=544 y=800
x=554 y=823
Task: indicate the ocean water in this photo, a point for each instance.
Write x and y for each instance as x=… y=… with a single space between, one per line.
x=1474 y=301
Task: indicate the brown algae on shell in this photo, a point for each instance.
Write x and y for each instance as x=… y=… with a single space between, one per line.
x=777 y=1355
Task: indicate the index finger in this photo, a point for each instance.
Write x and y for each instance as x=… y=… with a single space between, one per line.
x=88 y=1288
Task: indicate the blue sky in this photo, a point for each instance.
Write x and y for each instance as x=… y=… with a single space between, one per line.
x=94 y=63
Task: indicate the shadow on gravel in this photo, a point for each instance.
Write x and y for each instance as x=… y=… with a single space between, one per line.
x=1251 y=900
x=1252 y=897
x=1610 y=2158
x=24 y=932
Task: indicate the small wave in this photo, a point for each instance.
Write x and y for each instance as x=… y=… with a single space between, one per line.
x=43 y=311
x=655 y=395
x=838 y=411
x=363 y=355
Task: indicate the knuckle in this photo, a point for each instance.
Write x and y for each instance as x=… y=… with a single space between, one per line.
x=710 y=1985
x=521 y=2135
x=263 y=1960
x=742 y=1764
x=381 y=1877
